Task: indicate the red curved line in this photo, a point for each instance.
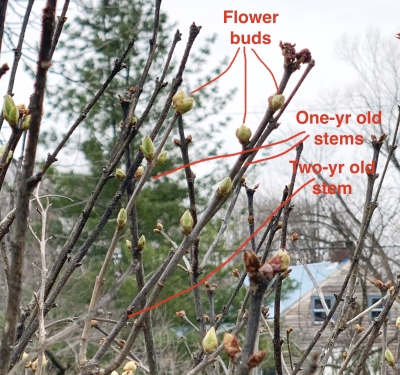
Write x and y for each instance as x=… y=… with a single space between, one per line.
x=214 y=79
x=224 y=156
x=277 y=156
x=272 y=74
x=226 y=261
x=245 y=85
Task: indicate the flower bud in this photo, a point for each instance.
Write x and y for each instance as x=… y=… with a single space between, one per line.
x=10 y=153
x=122 y=218
x=256 y=358
x=141 y=242
x=186 y=223
x=128 y=244
x=235 y=272
x=22 y=110
x=251 y=261
x=184 y=106
x=26 y=123
x=147 y=148
x=129 y=368
x=267 y=271
x=358 y=328
x=162 y=157
x=210 y=341
x=276 y=102
x=231 y=345
x=160 y=226
x=120 y=174
x=225 y=187
x=114 y=373
x=280 y=261
x=139 y=172
x=180 y=314
x=389 y=357
x=398 y=323
x=243 y=134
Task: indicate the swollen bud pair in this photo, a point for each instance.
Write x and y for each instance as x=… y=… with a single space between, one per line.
x=181 y=103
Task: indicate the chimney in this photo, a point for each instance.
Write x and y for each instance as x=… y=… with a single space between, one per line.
x=340 y=250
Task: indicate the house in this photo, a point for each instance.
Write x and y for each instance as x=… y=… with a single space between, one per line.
x=304 y=313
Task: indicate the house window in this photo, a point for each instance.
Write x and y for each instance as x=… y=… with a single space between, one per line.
x=318 y=312
x=372 y=299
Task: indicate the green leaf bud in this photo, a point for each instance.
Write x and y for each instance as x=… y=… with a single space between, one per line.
x=147 y=148
x=162 y=157
x=184 y=106
x=133 y=121
x=178 y=97
x=210 y=341
x=142 y=242
x=10 y=111
x=13 y=116
x=243 y=134
x=276 y=102
x=120 y=174
x=128 y=244
x=10 y=153
x=139 y=172
x=26 y=123
x=225 y=187
x=389 y=358
x=186 y=223
x=122 y=218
